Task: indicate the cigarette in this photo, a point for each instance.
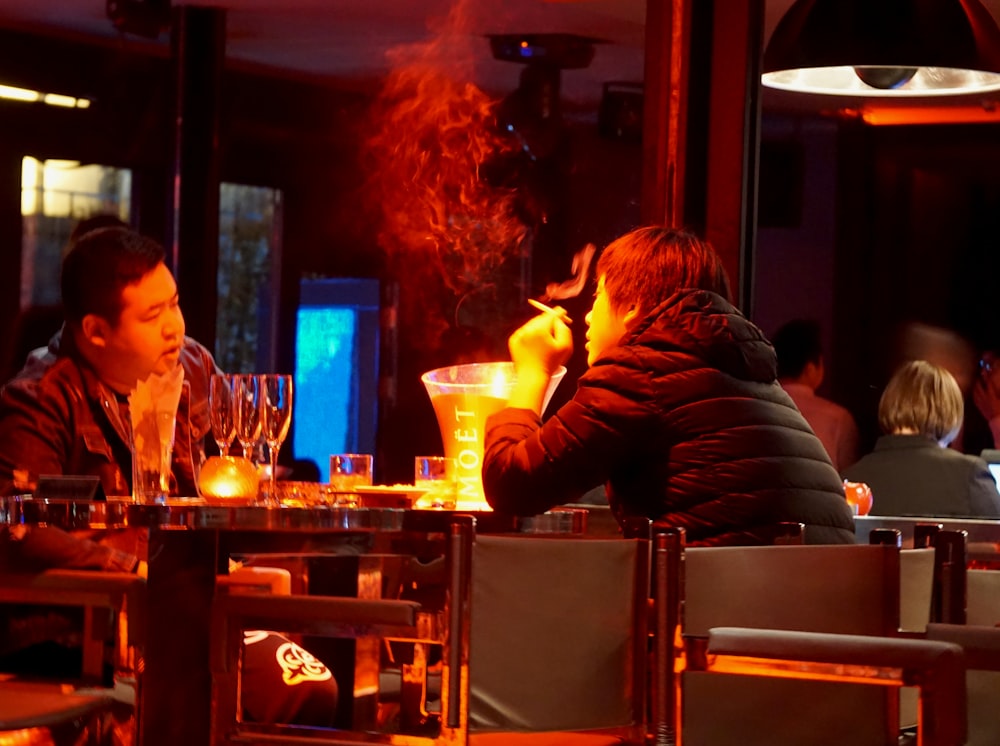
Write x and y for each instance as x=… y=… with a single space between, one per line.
x=559 y=313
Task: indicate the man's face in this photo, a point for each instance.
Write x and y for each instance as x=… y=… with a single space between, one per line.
x=150 y=330
x=605 y=327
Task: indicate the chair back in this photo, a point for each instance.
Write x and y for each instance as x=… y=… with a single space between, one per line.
x=982 y=679
x=558 y=634
x=101 y=704
x=847 y=589
x=768 y=586
x=112 y=604
x=983 y=597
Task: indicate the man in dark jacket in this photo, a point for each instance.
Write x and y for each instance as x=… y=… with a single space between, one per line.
x=680 y=413
x=67 y=413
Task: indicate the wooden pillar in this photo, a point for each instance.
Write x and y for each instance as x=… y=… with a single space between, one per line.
x=198 y=40
x=701 y=128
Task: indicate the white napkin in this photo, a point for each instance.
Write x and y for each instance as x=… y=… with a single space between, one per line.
x=153 y=411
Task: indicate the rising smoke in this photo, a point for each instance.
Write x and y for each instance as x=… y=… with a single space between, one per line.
x=448 y=233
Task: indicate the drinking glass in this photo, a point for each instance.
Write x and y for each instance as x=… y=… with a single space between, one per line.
x=348 y=470
x=276 y=416
x=220 y=407
x=246 y=411
x=438 y=476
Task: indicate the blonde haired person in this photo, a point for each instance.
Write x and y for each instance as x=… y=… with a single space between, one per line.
x=912 y=471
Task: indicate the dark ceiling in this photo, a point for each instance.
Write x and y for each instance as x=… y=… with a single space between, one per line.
x=354 y=41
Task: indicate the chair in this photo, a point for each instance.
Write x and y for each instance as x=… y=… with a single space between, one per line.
x=981 y=646
x=820 y=589
x=983 y=597
x=518 y=611
x=98 y=704
x=931 y=589
x=31 y=716
x=558 y=639
x=936 y=668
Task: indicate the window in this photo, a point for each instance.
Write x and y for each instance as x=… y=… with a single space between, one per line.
x=55 y=195
x=249 y=252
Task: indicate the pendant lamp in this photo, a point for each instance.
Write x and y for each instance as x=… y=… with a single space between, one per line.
x=885 y=48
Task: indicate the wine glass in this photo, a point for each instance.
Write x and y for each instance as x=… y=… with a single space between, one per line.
x=276 y=416
x=246 y=411
x=220 y=408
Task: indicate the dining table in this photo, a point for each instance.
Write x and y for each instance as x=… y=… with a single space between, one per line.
x=188 y=544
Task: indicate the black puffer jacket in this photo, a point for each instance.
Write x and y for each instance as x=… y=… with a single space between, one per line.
x=685 y=422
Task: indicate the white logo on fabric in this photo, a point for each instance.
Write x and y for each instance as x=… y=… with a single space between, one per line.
x=298 y=666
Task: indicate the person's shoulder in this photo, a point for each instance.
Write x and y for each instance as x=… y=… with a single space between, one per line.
x=52 y=382
x=974 y=462
x=967 y=462
x=196 y=358
x=835 y=409
x=43 y=369
x=798 y=391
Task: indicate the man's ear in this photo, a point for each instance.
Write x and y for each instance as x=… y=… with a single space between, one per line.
x=630 y=317
x=95 y=330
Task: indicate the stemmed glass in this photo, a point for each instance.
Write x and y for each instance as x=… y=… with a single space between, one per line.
x=220 y=408
x=276 y=415
x=246 y=411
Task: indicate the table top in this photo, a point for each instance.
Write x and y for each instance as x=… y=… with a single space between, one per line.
x=196 y=514
x=983 y=534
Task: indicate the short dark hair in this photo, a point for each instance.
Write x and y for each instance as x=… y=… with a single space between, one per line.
x=797 y=343
x=648 y=265
x=92 y=223
x=99 y=266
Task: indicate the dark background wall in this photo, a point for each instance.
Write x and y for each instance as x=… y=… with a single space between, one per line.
x=865 y=228
x=304 y=138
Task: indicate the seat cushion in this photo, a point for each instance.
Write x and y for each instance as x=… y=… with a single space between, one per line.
x=29 y=707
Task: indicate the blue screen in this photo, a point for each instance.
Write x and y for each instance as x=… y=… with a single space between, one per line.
x=336 y=370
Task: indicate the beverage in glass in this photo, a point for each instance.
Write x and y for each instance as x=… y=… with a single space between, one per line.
x=350 y=470
x=152 y=448
x=438 y=477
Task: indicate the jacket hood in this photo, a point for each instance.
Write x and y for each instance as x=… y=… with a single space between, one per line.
x=705 y=325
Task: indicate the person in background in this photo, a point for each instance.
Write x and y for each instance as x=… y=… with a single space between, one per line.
x=800 y=372
x=986 y=395
x=912 y=471
x=66 y=413
x=953 y=351
x=679 y=413
x=35 y=325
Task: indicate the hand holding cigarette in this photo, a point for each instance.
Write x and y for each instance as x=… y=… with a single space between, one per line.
x=558 y=312
x=537 y=349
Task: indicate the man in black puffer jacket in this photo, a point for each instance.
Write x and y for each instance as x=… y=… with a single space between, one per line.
x=680 y=413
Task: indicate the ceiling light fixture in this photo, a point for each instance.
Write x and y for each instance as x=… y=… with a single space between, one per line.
x=884 y=48
x=13 y=93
